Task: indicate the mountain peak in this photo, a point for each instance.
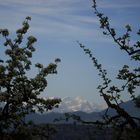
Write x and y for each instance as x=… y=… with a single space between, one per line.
x=70 y=104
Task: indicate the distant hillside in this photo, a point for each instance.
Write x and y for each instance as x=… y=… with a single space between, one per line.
x=50 y=117
x=129 y=106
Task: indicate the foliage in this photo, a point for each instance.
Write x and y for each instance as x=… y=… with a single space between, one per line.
x=111 y=93
x=19 y=93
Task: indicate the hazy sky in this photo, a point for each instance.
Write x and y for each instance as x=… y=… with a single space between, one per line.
x=58 y=24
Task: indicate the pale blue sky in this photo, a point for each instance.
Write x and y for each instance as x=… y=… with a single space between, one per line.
x=58 y=24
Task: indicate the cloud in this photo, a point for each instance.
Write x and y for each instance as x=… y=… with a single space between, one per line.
x=62 y=19
x=57 y=19
x=120 y=4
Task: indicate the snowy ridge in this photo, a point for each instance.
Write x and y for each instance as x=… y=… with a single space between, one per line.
x=70 y=104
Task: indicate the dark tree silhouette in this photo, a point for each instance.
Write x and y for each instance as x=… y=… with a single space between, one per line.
x=123 y=122
x=19 y=93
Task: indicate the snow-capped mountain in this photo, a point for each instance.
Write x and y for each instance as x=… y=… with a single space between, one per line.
x=77 y=109
x=70 y=104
